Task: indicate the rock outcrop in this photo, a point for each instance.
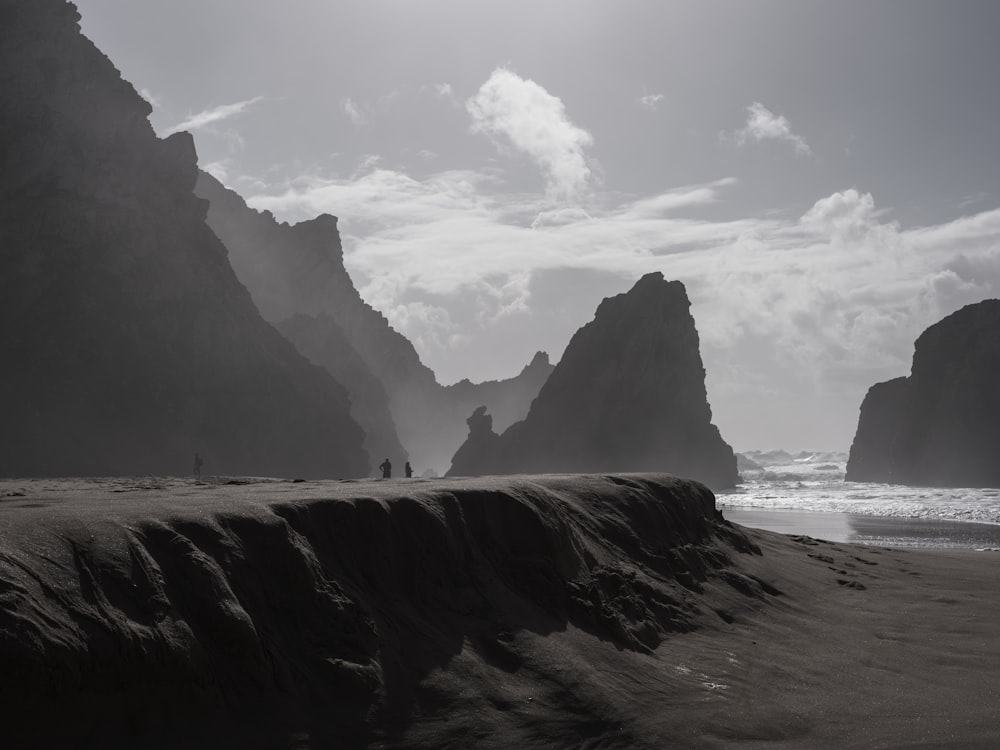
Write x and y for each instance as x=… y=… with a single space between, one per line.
x=128 y=342
x=871 y=453
x=299 y=270
x=628 y=395
x=941 y=425
x=508 y=400
x=476 y=456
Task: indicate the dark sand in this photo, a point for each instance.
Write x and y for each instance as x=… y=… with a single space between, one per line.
x=566 y=612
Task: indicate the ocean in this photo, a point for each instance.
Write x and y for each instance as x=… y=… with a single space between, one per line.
x=805 y=493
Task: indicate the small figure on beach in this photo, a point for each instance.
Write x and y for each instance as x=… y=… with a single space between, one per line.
x=197 y=465
x=409 y=470
x=386 y=468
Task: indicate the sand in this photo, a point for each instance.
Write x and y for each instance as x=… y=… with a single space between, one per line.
x=879 y=531
x=533 y=612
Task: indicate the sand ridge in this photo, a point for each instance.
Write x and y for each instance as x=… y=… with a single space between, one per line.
x=554 y=611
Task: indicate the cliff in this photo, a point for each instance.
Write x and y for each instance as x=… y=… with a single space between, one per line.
x=870 y=459
x=941 y=425
x=268 y=614
x=299 y=270
x=508 y=400
x=323 y=342
x=628 y=395
x=128 y=342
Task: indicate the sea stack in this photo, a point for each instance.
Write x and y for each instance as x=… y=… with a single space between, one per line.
x=628 y=395
x=128 y=342
x=941 y=425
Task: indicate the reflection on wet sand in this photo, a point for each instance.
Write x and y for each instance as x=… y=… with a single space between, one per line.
x=871 y=530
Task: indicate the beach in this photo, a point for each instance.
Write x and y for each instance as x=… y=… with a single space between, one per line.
x=536 y=612
x=884 y=531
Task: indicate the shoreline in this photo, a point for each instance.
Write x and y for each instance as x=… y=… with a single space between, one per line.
x=618 y=612
x=856 y=528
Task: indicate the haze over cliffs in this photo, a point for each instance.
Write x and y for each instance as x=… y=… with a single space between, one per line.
x=298 y=270
x=149 y=313
x=628 y=395
x=941 y=425
x=128 y=342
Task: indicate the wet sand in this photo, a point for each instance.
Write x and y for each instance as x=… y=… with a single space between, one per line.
x=870 y=530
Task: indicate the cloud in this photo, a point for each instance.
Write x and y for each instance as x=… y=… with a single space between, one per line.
x=353 y=111
x=535 y=123
x=763 y=124
x=797 y=315
x=213 y=115
x=845 y=216
x=218 y=169
x=154 y=101
x=651 y=101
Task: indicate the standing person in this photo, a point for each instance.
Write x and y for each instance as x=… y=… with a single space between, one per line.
x=197 y=465
x=408 y=470
x=386 y=468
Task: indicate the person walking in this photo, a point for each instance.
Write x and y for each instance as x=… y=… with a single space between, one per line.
x=386 y=468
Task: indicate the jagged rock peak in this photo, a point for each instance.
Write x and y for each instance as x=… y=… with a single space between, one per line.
x=941 y=425
x=539 y=361
x=628 y=395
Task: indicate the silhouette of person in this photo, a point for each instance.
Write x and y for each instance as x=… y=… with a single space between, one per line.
x=197 y=465
x=386 y=468
x=408 y=470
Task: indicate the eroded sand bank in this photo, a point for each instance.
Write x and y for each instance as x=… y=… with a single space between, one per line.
x=581 y=611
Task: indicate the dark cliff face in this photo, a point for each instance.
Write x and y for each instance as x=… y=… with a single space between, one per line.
x=628 y=395
x=295 y=269
x=870 y=459
x=322 y=341
x=128 y=342
x=942 y=423
x=299 y=270
x=296 y=276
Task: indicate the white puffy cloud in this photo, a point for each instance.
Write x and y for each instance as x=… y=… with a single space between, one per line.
x=847 y=215
x=534 y=122
x=763 y=124
x=650 y=101
x=212 y=115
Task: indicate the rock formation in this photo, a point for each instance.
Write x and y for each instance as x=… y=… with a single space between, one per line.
x=299 y=270
x=941 y=425
x=322 y=341
x=871 y=453
x=628 y=395
x=507 y=400
x=128 y=342
x=475 y=456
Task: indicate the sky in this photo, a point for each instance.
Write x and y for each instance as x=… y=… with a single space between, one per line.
x=821 y=176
